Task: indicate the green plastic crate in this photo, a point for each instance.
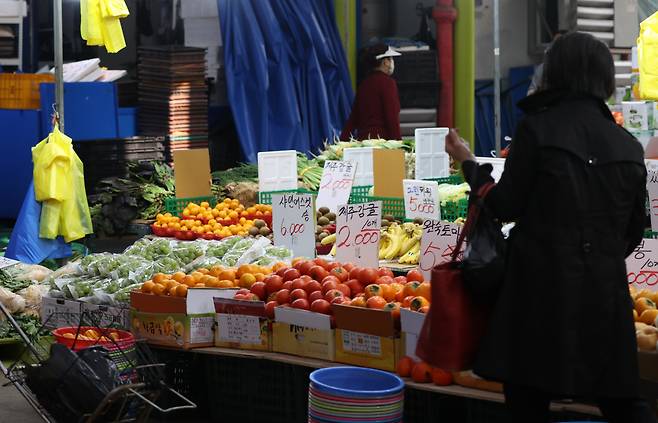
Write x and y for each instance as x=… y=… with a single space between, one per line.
x=650 y=234
x=453 y=210
x=455 y=179
x=176 y=206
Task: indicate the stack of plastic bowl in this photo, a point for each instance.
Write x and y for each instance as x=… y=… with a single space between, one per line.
x=355 y=394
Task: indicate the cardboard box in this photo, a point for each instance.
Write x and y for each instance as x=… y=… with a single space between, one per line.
x=174 y=321
x=58 y=312
x=411 y=324
x=106 y=316
x=303 y=333
x=638 y=115
x=366 y=337
x=242 y=325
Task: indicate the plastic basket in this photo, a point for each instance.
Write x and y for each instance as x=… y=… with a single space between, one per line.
x=176 y=206
x=456 y=179
x=651 y=234
x=453 y=210
x=21 y=90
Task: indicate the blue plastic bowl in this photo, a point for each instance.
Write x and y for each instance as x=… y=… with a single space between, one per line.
x=347 y=381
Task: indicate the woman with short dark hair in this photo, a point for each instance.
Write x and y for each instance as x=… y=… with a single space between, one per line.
x=376 y=109
x=575 y=184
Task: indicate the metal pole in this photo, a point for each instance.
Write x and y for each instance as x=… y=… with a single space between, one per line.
x=59 y=62
x=496 y=50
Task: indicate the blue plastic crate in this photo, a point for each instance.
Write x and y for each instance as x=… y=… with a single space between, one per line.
x=90 y=110
x=127 y=122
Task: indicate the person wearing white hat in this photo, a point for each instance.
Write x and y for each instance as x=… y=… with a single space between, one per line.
x=376 y=109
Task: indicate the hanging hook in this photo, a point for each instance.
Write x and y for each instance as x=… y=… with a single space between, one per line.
x=55 y=115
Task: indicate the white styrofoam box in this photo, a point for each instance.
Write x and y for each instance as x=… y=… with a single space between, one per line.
x=497 y=163
x=362 y=156
x=198 y=8
x=202 y=32
x=277 y=170
x=13 y=8
x=431 y=159
x=411 y=323
x=638 y=115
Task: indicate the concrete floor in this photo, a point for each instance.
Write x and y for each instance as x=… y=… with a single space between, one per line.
x=13 y=407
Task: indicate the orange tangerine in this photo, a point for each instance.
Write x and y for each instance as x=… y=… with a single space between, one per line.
x=169 y=283
x=259 y=277
x=203 y=270
x=189 y=280
x=147 y=286
x=159 y=277
x=158 y=289
x=216 y=270
x=172 y=290
x=212 y=282
x=181 y=291
x=178 y=277
x=246 y=280
x=197 y=276
x=200 y=285
x=227 y=274
x=225 y=284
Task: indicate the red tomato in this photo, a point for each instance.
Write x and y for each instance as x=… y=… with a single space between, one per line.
x=406 y=302
x=368 y=276
x=298 y=265
x=394 y=309
x=355 y=273
x=333 y=293
x=321 y=306
x=315 y=295
x=243 y=291
x=400 y=279
x=305 y=267
x=410 y=288
x=271 y=297
x=298 y=283
x=306 y=278
x=331 y=266
x=348 y=266
x=385 y=271
x=313 y=286
x=287 y=285
x=328 y=286
x=384 y=280
x=415 y=275
x=340 y=273
x=340 y=300
x=283 y=296
x=260 y=289
x=344 y=289
x=273 y=283
x=355 y=286
x=291 y=274
x=330 y=278
x=301 y=303
x=441 y=377
x=321 y=262
x=376 y=302
x=318 y=273
x=297 y=294
x=269 y=308
x=281 y=271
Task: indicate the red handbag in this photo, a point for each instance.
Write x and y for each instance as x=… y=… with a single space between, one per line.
x=454 y=323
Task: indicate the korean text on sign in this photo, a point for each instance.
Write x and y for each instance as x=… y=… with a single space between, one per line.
x=642 y=265
x=293 y=223
x=421 y=199
x=357 y=233
x=437 y=244
x=336 y=184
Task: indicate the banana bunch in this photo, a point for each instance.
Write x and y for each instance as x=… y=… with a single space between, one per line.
x=410 y=250
x=401 y=241
x=330 y=239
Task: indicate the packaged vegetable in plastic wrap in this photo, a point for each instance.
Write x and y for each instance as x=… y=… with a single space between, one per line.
x=220 y=248
x=13 y=302
x=33 y=295
x=254 y=252
x=206 y=262
x=31 y=272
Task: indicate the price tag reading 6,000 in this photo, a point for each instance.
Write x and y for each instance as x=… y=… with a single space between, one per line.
x=293 y=223
x=437 y=244
x=357 y=233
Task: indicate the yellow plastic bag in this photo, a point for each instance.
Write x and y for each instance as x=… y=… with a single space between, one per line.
x=51 y=167
x=100 y=25
x=647 y=54
x=67 y=215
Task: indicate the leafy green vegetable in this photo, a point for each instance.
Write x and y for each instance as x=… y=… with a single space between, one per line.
x=8 y=281
x=29 y=324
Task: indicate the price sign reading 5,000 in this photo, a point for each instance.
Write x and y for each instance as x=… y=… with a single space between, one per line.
x=293 y=223
x=421 y=199
x=357 y=233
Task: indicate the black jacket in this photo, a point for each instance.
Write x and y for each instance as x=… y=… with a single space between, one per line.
x=575 y=184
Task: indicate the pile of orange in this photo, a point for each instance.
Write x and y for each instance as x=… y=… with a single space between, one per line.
x=227 y=209
x=176 y=285
x=167 y=221
x=213 y=227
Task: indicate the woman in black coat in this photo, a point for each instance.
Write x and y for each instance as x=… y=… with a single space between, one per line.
x=574 y=183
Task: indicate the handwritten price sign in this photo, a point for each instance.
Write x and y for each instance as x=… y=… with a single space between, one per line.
x=357 y=233
x=421 y=199
x=642 y=265
x=652 y=190
x=437 y=244
x=293 y=223
x=6 y=262
x=336 y=184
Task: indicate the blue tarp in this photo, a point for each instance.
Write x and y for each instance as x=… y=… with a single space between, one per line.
x=287 y=78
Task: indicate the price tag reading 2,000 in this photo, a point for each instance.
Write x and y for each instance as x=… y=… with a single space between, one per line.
x=437 y=244
x=357 y=233
x=293 y=223
x=336 y=184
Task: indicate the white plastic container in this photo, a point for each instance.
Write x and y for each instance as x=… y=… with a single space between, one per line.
x=362 y=156
x=277 y=170
x=431 y=159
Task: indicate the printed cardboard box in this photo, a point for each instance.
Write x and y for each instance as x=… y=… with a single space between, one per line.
x=638 y=115
x=411 y=323
x=303 y=333
x=173 y=321
x=107 y=316
x=366 y=337
x=242 y=325
x=58 y=312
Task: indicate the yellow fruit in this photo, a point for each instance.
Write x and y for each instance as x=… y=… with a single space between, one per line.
x=197 y=276
x=224 y=283
x=204 y=204
x=181 y=291
x=178 y=277
x=172 y=291
x=158 y=289
x=189 y=280
x=246 y=280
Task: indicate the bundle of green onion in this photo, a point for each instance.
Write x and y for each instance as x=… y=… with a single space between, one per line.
x=309 y=172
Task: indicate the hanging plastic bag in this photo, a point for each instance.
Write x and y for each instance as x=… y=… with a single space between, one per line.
x=100 y=24
x=51 y=167
x=647 y=51
x=75 y=218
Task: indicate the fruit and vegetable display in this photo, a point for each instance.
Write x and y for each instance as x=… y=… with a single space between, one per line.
x=21 y=291
x=316 y=284
x=645 y=313
x=107 y=278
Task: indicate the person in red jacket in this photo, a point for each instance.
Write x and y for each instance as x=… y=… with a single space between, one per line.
x=376 y=109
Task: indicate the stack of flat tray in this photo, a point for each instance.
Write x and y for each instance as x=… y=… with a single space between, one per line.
x=173 y=96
